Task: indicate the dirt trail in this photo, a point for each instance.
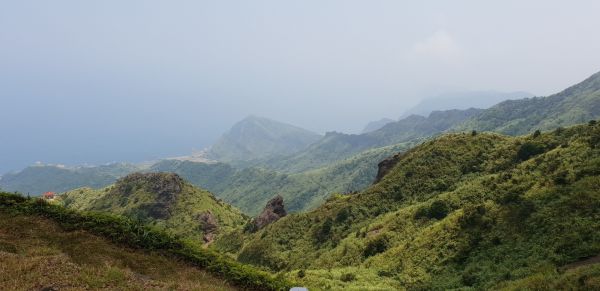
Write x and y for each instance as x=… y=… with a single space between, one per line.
x=588 y=261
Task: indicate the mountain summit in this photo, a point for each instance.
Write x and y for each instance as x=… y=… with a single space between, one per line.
x=258 y=137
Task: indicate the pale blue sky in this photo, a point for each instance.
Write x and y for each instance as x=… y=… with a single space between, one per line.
x=100 y=81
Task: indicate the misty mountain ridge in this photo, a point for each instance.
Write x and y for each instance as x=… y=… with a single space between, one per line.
x=463 y=100
x=375 y=125
x=576 y=104
x=335 y=146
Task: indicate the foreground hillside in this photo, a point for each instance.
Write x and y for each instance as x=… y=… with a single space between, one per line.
x=475 y=210
x=36 y=253
x=163 y=200
x=61 y=248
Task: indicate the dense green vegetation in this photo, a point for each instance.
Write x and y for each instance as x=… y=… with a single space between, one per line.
x=258 y=137
x=132 y=234
x=162 y=200
x=477 y=210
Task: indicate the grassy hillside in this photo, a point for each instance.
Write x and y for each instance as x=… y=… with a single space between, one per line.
x=258 y=137
x=250 y=188
x=37 y=253
x=461 y=211
x=36 y=180
x=163 y=200
x=138 y=255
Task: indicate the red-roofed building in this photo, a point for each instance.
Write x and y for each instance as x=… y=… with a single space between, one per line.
x=48 y=195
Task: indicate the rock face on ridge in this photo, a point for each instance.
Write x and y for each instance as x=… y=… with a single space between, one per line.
x=209 y=226
x=274 y=210
x=386 y=166
x=165 y=185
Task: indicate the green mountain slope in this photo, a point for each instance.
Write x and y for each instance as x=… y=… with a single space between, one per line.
x=163 y=200
x=461 y=211
x=36 y=180
x=576 y=104
x=258 y=137
x=251 y=188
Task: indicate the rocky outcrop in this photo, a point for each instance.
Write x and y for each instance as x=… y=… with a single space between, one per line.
x=165 y=187
x=272 y=212
x=386 y=166
x=209 y=226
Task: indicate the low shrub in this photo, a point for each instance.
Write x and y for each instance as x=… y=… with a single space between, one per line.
x=376 y=246
x=437 y=209
x=528 y=150
x=347 y=277
x=301 y=273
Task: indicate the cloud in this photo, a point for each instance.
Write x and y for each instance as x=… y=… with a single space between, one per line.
x=440 y=46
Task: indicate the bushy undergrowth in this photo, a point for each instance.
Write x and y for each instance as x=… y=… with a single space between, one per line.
x=125 y=231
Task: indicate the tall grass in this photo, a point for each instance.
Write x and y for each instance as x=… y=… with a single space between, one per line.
x=133 y=234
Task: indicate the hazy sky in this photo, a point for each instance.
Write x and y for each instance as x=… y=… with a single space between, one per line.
x=101 y=81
